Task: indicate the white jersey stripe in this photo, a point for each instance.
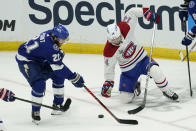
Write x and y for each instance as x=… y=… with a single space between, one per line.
x=135 y=60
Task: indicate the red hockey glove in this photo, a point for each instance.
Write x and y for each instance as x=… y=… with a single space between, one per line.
x=6 y=95
x=151 y=16
x=107 y=88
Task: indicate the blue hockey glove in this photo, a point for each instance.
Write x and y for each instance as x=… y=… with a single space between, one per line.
x=77 y=80
x=152 y=16
x=107 y=88
x=6 y=95
x=183 y=12
x=188 y=39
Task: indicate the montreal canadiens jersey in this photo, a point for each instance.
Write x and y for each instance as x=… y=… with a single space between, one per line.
x=42 y=49
x=1 y=94
x=129 y=53
x=192 y=12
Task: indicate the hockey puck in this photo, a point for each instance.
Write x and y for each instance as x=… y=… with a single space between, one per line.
x=100 y=115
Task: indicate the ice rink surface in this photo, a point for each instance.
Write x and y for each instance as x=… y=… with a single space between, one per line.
x=160 y=113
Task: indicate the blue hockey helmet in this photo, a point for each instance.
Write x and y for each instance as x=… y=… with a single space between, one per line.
x=61 y=32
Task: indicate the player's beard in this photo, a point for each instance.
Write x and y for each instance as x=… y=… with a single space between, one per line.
x=54 y=38
x=117 y=44
x=57 y=42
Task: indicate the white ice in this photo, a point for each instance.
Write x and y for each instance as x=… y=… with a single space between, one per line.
x=160 y=113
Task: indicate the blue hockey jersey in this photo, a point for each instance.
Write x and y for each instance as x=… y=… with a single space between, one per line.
x=192 y=12
x=42 y=49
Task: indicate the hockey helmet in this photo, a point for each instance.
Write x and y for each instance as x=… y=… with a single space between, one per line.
x=113 y=33
x=60 y=32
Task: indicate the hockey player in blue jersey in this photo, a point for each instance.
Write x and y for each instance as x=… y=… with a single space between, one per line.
x=40 y=59
x=188 y=7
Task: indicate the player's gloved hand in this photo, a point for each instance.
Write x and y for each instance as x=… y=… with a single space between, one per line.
x=188 y=39
x=183 y=12
x=107 y=88
x=6 y=95
x=77 y=80
x=151 y=16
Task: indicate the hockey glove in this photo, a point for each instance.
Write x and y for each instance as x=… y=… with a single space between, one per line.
x=183 y=12
x=6 y=95
x=151 y=16
x=77 y=80
x=107 y=88
x=188 y=39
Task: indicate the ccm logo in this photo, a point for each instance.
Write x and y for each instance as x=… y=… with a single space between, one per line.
x=6 y=24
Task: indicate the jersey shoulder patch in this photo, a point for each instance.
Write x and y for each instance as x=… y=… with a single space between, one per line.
x=110 y=49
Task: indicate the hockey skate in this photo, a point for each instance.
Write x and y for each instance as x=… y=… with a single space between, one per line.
x=36 y=117
x=59 y=109
x=57 y=112
x=169 y=94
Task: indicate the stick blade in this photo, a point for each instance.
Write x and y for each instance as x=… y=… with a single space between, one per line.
x=134 y=111
x=124 y=121
x=191 y=92
x=66 y=105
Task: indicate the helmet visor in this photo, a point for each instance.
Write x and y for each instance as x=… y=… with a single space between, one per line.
x=63 y=41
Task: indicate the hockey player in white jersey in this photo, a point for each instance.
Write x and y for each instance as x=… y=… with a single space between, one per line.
x=7 y=96
x=122 y=47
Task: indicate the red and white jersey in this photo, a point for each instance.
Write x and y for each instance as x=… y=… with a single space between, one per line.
x=129 y=53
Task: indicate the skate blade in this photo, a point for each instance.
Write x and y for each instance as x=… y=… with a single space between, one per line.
x=175 y=101
x=36 y=122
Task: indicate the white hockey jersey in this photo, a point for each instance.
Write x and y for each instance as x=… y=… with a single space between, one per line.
x=129 y=53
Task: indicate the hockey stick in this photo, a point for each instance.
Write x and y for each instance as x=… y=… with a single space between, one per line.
x=182 y=56
x=65 y=107
x=122 y=121
x=142 y=106
x=191 y=92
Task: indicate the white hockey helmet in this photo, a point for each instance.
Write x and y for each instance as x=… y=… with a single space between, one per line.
x=113 y=32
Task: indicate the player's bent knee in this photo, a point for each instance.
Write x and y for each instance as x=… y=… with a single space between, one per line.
x=126 y=97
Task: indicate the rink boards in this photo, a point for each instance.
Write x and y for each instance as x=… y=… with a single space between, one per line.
x=98 y=49
x=87 y=21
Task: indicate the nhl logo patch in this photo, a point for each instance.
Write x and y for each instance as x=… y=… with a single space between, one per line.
x=124 y=85
x=55 y=47
x=191 y=4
